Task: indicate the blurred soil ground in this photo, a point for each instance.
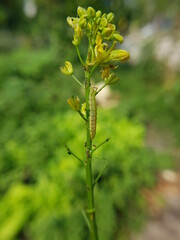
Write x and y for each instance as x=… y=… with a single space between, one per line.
x=164 y=199
x=165 y=221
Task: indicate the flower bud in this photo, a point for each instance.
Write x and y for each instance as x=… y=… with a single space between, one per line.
x=98 y=20
x=82 y=21
x=103 y=22
x=105 y=72
x=91 y=12
x=71 y=21
x=67 y=69
x=89 y=27
x=111 y=79
x=75 y=41
x=77 y=35
x=98 y=14
x=83 y=109
x=81 y=12
x=110 y=17
x=118 y=37
x=119 y=55
x=107 y=31
x=74 y=103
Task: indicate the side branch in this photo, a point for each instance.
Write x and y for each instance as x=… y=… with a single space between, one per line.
x=71 y=153
x=87 y=220
x=100 y=175
x=79 y=55
x=77 y=81
x=101 y=88
x=105 y=141
x=80 y=113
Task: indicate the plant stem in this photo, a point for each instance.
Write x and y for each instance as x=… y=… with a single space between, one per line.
x=101 y=88
x=105 y=141
x=80 y=113
x=70 y=152
x=100 y=174
x=77 y=81
x=88 y=166
x=79 y=55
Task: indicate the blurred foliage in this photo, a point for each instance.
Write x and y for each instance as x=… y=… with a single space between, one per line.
x=42 y=188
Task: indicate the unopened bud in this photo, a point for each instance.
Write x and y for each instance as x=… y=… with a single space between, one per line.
x=82 y=21
x=91 y=12
x=71 y=21
x=103 y=22
x=75 y=41
x=118 y=37
x=81 y=11
x=119 y=55
x=74 y=103
x=89 y=26
x=98 y=20
x=83 y=109
x=110 y=17
x=98 y=14
x=111 y=79
x=77 y=35
x=67 y=69
x=105 y=72
x=107 y=31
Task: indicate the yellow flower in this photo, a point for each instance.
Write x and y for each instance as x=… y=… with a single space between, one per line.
x=74 y=103
x=105 y=72
x=67 y=69
x=77 y=35
x=100 y=49
x=118 y=55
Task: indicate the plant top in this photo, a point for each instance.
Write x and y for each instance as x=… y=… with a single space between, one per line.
x=103 y=38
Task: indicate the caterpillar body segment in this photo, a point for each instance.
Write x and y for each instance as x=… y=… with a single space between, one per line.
x=92 y=112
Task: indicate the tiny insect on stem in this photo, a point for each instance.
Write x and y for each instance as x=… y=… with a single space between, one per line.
x=71 y=153
x=105 y=141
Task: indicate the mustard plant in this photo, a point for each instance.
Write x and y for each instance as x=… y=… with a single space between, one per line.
x=102 y=54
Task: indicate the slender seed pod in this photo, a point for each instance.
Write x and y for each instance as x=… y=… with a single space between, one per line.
x=92 y=112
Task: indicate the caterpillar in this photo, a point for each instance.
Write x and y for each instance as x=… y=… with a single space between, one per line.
x=92 y=112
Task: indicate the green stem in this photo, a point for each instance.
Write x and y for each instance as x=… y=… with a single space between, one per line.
x=80 y=113
x=100 y=174
x=71 y=153
x=86 y=220
x=77 y=81
x=88 y=166
x=79 y=55
x=101 y=88
x=105 y=141
x=93 y=69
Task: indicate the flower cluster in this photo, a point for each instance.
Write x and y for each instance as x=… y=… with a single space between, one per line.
x=100 y=31
x=103 y=38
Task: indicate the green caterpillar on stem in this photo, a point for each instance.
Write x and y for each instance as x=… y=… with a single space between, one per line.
x=92 y=112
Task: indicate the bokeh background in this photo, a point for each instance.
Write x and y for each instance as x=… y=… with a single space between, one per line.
x=42 y=190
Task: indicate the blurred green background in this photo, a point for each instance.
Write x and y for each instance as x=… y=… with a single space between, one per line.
x=42 y=191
